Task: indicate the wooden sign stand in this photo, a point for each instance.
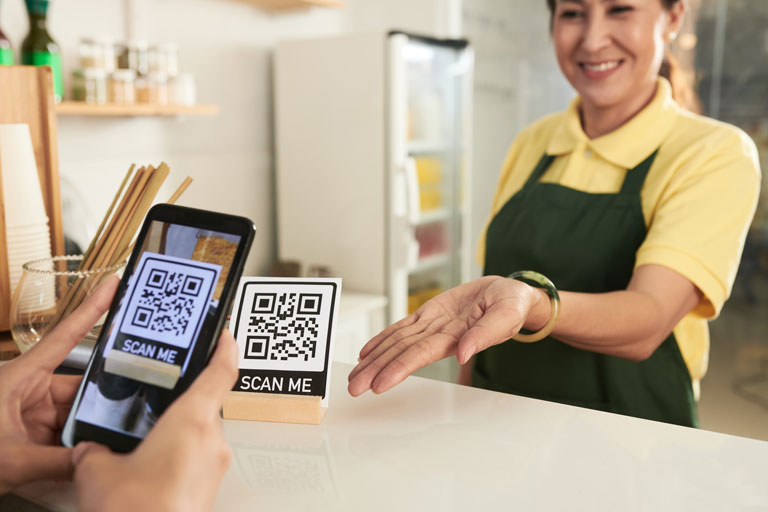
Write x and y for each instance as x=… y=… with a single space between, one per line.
x=243 y=405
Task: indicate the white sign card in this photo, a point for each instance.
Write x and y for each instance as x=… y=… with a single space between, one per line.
x=284 y=329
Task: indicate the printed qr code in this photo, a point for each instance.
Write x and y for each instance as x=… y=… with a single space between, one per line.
x=168 y=298
x=283 y=326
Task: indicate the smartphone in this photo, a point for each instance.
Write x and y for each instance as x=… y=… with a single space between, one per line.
x=169 y=309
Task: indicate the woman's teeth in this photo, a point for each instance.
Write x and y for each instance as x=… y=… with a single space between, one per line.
x=603 y=66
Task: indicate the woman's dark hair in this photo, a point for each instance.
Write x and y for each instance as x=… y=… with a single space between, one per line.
x=682 y=87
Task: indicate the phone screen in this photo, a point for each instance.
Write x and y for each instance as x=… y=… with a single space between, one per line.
x=147 y=352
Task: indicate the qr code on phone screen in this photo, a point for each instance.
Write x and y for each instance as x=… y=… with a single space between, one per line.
x=168 y=299
x=285 y=327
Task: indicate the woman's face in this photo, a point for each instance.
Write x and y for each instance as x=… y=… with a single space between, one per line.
x=611 y=50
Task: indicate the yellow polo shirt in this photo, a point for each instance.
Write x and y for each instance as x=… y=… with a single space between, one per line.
x=698 y=198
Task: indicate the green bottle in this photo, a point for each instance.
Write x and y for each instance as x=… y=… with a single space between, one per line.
x=39 y=48
x=6 y=52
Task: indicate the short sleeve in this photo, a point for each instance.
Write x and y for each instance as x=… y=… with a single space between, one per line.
x=700 y=223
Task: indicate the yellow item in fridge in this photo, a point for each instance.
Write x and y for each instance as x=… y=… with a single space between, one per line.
x=430 y=199
x=429 y=171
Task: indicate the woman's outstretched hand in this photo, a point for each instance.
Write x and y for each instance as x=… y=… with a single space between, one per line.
x=461 y=321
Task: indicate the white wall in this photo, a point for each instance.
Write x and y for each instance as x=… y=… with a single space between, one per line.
x=516 y=82
x=227 y=45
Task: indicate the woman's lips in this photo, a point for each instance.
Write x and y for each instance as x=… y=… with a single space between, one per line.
x=601 y=69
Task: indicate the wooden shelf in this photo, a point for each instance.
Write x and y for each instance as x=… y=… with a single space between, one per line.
x=78 y=108
x=287 y=5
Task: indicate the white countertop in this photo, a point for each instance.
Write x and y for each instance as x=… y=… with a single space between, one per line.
x=432 y=446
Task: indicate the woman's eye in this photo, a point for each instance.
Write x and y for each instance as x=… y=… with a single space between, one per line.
x=570 y=14
x=620 y=9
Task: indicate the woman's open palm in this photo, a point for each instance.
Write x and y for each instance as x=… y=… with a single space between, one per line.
x=461 y=321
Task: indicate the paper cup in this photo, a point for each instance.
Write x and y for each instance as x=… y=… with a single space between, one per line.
x=22 y=195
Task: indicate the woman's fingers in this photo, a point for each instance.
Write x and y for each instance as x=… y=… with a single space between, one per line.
x=31 y=462
x=57 y=344
x=409 y=333
x=88 y=449
x=402 y=356
x=420 y=354
x=386 y=333
x=218 y=378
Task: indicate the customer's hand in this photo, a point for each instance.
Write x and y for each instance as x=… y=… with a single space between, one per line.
x=461 y=321
x=179 y=464
x=34 y=402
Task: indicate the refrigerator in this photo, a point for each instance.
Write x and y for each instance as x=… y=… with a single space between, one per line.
x=372 y=139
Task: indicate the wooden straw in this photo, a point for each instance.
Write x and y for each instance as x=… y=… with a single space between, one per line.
x=106 y=217
x=172 y=200
x=180 y=190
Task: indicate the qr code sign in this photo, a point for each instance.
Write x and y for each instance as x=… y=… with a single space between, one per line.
x=284 y=326
x=168 y=298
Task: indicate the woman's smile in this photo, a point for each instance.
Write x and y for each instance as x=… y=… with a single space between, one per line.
x=596 y=70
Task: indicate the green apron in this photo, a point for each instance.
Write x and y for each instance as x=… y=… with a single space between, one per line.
x=583 y=242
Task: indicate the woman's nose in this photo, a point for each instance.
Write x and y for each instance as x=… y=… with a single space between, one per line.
x=596 y=35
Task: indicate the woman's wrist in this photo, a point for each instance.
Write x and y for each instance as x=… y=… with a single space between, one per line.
x=541 y=310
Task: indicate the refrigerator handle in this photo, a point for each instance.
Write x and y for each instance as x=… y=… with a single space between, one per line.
x=412 y=191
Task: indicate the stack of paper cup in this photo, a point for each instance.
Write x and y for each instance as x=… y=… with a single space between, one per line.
x=26 y=225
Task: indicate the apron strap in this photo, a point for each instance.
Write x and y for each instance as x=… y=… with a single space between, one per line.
x=635 y=177
x=539 y=170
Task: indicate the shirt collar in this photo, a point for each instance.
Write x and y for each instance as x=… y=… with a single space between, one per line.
x=629 y=144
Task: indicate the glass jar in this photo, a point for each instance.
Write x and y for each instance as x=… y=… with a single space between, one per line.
x=105 y=54
x=134 y=55
x=87 y=52
x=89 y=85
x=121 y=87
x=157 y=84
x=141 y=87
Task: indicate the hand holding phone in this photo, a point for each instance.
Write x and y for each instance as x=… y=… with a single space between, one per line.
x=34 y=401
x=180 y=463
x=169 y=309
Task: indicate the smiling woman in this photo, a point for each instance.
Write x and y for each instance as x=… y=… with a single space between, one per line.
x=634 y=207
x=611 y=52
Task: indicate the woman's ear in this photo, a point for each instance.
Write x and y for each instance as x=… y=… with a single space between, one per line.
x=675 y=15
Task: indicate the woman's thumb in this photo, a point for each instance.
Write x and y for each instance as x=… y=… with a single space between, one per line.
x=87 y=449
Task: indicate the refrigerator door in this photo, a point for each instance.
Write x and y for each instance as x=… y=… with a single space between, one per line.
x=429 y=129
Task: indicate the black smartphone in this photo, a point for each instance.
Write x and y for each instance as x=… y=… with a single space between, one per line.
x=169 y=309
